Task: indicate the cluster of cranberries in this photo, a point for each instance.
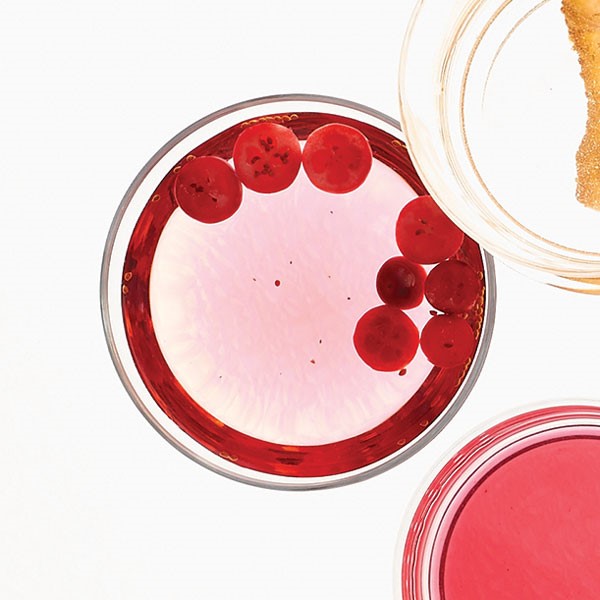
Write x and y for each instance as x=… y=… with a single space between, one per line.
x=337 y=158
x=385 y=337
x=266 y=158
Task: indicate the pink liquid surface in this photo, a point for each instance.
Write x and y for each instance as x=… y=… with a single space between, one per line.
x=267 y=348
x=530 y=528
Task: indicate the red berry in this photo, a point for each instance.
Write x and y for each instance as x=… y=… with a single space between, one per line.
x=207 y=189
x=425 y=234
x=447 y=340
x=400 y=282
x=452 y=286
x=267 y=157
x=386 y=338
x=337 y=158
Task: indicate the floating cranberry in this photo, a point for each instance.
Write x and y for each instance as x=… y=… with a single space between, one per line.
x=452 y=286
x=400 y=282
x=425 y=234
x=447 y=340
x=337 y=158
x=267 y=157
x=386 y=339
x=207 y=189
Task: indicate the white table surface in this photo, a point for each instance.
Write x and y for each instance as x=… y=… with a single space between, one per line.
x=93 y=503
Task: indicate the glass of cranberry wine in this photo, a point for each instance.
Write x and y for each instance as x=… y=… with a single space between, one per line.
x=283 y=300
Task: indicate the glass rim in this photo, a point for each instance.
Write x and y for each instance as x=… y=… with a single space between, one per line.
x=567 y=267
x=248 y=476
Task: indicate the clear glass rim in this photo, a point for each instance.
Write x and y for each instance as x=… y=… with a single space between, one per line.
x=563 y=266
x=246 y=475
x=460 y=463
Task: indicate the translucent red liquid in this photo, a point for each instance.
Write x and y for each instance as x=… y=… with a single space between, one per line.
x=273 y=330
x=529 y=529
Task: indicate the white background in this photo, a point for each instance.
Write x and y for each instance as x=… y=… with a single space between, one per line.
x=93 y=503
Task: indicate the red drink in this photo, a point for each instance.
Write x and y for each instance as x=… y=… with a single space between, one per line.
x=530 y=527
x=513 y=515
x=242 y=330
